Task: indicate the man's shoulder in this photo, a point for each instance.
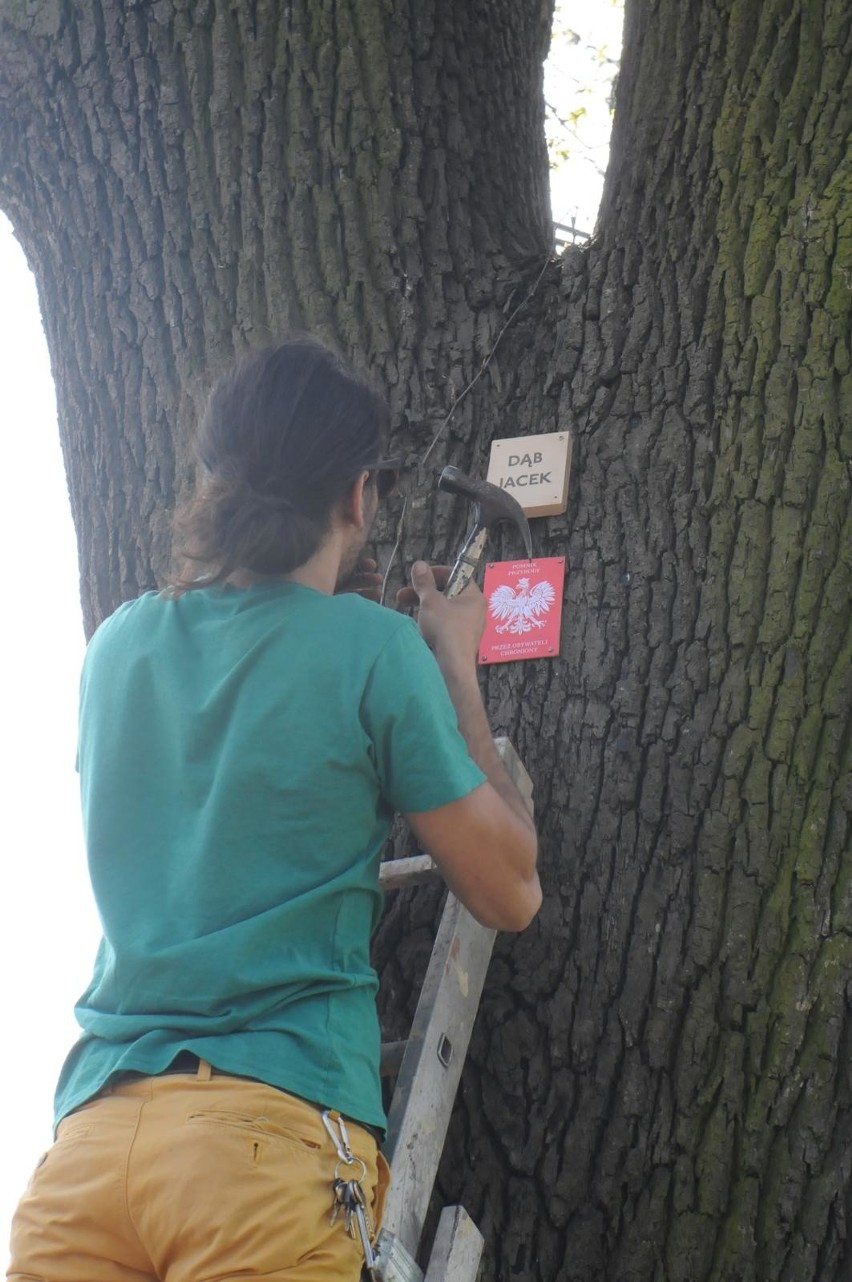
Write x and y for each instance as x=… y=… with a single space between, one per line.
x=125 y=614
x=371 y=621
x=391 y=646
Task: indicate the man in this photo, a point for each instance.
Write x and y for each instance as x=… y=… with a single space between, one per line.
x=245 y=739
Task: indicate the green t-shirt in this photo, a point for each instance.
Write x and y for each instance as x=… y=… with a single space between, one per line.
x=241 y=755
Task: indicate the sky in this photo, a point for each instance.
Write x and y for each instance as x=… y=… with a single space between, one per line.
x=48 y=926
x=48 y=923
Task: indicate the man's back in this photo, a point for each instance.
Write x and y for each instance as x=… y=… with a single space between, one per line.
x=235 y=815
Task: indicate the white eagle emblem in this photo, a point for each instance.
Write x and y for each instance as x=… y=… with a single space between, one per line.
x=520 y=610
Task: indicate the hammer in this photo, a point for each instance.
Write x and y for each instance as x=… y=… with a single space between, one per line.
x=491 y=504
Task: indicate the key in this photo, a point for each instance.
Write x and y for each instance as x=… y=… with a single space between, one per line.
x=340 y=1200
x=364 y=1233
x=351 y=1198
x=344 y=1199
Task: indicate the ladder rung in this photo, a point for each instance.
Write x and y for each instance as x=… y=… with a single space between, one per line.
x=392 y=1053
x=457 y=1249
x=396 y=873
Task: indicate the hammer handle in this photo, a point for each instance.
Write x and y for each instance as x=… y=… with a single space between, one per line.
x=467 y=562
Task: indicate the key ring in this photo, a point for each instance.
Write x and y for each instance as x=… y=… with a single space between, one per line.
x=351 y=1161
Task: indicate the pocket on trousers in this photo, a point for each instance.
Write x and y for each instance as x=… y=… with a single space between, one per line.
x=261 y=1126
x=69 y=1131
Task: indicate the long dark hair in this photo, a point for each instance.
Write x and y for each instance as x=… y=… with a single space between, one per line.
x=285 y=434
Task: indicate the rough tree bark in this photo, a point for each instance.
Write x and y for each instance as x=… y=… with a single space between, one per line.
x=659 y=1085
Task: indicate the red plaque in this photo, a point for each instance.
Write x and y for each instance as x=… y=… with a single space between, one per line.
x=524 y=601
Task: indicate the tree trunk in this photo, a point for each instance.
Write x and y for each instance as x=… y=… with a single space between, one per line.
x=659 y=1083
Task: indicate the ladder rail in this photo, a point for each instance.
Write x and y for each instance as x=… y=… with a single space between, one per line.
x=431 y=1068
x=428 y=1078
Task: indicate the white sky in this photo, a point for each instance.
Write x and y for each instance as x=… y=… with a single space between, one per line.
x=48 y=924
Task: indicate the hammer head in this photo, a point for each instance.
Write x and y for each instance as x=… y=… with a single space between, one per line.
x=491 y=503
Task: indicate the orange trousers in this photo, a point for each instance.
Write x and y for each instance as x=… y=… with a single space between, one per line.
x=190 y=1178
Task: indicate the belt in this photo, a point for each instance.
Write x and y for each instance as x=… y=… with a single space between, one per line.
x=188 y=1062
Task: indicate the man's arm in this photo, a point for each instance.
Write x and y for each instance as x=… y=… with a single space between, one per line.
x=485 y=843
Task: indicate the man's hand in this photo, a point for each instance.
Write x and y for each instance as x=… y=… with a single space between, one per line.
x=364 y=579
x=484 y=843
x=451 y=629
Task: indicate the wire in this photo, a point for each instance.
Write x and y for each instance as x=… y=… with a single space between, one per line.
x=456 y=403
x=484 y=366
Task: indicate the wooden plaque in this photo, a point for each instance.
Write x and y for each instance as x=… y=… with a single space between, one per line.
x=535 y=469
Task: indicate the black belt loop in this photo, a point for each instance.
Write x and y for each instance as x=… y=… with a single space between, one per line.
x=183 y=1062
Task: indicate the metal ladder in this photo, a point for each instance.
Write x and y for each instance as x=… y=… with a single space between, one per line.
x=429 y=1064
